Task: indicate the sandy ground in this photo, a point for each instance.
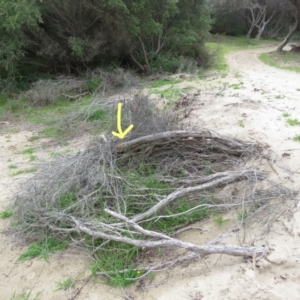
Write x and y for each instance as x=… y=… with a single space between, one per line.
x=253 y=93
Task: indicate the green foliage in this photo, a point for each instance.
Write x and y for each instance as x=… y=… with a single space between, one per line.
x=286 y=115
x=43 y=249
x=163 y=61
x=6 y=213
x=147 y=34
x=14 y=16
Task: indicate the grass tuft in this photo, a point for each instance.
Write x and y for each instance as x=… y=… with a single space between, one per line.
x=43 y=249
x=297 y=138
x=293 y=122
x=6 y=213
x=65 y=284
x=30 y=170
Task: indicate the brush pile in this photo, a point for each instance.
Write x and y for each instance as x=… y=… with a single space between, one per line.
x=141 y=190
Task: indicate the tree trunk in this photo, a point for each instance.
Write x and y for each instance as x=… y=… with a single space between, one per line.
x=249 y=33
x=292 y=28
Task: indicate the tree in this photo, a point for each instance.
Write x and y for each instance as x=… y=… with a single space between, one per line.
x=72 y=35
x=15 y=15
x=294 y=27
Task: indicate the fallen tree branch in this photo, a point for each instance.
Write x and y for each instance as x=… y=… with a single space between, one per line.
x=218 y=181
x=167 y=241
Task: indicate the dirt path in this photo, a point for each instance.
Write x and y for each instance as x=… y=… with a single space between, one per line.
x=250 y=107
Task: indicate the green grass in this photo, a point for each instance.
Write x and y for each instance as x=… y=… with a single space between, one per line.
x=65 y=284
x=293 y=122
x=286 y=115
x=172 y=93
x=28 y=151
x=286 y=60
x=26 y=296
x=162 y=82
x=296 y=138
x=113 y=260
x=12 y=166
x=66 y=200
x=176 y=217
x=29 y=170
x=220 y=221
x=237 y=86
x=6 y=213
x=223 y=45
x=32 y=157
x=43 y=248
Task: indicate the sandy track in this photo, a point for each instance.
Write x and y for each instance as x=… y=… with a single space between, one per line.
x=262 y=97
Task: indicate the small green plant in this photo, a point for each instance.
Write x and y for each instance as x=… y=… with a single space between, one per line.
x=293 y=122
x=32 y=157
x=237 y=86
x=12 y=166
x=43 y=249
x=297 y=138
x=28 y=151
x=65 y=284
x=6 y=213
x=241 y=123
x=220 y=220
x=242 y=215
x=286 y=115
x=30 y=170
x=279 y=97
x=26 y=296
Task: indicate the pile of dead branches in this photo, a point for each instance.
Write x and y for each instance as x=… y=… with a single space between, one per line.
x=121 y=190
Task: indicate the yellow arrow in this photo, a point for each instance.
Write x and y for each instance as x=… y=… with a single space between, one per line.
x=121 y=134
